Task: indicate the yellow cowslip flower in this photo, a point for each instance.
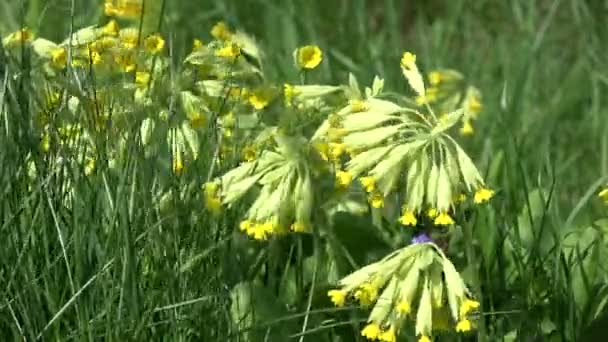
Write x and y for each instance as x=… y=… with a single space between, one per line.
x=103 y=44
x=432 y=213
x=59 y=57
x=408 y=61
x=357 y=106
x=221 y=31
x=249 y=153
x=110 y=29
x=197 y=119
x=126 y=61
x=408 y=218
x=246 y=226
x=444 y=219
x=424 y=338
x=298 y=227
x=474 y=105
x=366 y=294
x=467 y=306
x=123 y=8
x=336 y=150
x=463 y=326
x=482 y=195
x=404 y=308
x=369 y=183
x=343 y=179
x=154 y=44
x=308 y=57
x=435 y=78
x=142 y=78
x=259 y=99
x=289 y=91
x=376 y=200
x=21 y=36
x=338 y=297
x=129 y=38
x=323 y=149
x=371 y=331
x=603 y=195
x=229 y=51
x=261 y=231
x=388 y=335
x=467 y=128
x=197 y=44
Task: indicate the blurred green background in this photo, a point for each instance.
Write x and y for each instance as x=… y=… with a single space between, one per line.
x=541 y=66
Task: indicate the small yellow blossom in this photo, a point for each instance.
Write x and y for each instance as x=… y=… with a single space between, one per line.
x=467 y=306
x=129 y=37
x=432 y=213
x=261 y=231
x=336 y=150
x=59 y=57
x=371 y=331
x=369 y=183
x=424 y=338
x=357 y=106
x=404 y=308
x=338 y=297
x=408 y=60
x=343 y=179
x=126 y=60
x=197 y=44
x=474 y=105
x=463 y=326
x=435 y=78
x=123 y=8
x=18 y=37
x=154 y=44
x=308 y=57
x=246 y=225
x=388 y=335
x=408 y=218
x=366 y=294
x=142 y=78
x=482 y=195
x=467 y=128
x=259 y=99
x=444 y=219
x=110 y=29
x=376 y=200
x=229 y=51
x=221 y=31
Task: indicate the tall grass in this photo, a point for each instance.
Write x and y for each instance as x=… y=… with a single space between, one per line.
x=103 y=261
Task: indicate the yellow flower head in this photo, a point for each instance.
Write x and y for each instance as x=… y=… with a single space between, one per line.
x=308 y=57
x=371 y=331
x=221 y=31
x=142 y=78
x=18 y=37
x=388 y=335
x=129 y=37
x=463 y=326
x=444 y=219
x=59 y=57
x=126 y=61
x=338 y=297
x=467 y=306
x=467 y=128
x=123 y=8
x=435 y=78
x=482 y=195
x=229 y=51
x=357 y=106
x=408 y=218
x=474 y=105
x=369 y=183
x=336 y=150
x=111 y=28
x=154 y=44
x=246 y=226
x=367 y=294
x=408 y=61
x=197 y=44
x=432 y=213
x=343 y=179
x=259 y=99
x=376 y=200
x=424 y=338
x=404 y=308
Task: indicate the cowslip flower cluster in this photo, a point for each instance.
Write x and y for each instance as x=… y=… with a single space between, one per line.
x=417 y=284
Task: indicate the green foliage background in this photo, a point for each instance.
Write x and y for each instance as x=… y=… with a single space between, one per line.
x=131 y=272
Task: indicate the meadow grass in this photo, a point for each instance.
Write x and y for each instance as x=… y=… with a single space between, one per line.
x=115 y=266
